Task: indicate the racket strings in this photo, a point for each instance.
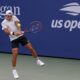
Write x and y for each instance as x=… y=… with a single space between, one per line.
x=35 y=26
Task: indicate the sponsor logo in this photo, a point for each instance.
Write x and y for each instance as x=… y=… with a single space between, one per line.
x=72 y=9
x=15 y=9
x=68 y=24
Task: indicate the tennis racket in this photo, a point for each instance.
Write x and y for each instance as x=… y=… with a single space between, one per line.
x=34 y=27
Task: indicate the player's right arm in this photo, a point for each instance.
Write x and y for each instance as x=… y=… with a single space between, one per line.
x=12 y=33
x=5 y=28
x=7 y=31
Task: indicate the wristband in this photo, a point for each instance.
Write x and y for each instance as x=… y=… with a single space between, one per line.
x=13 y=33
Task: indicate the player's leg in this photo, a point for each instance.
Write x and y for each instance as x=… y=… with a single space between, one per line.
x=15 y=45
x=32 y=50
x=14 y=61
x=27 y=44
x=34 y=54
x=14 y=57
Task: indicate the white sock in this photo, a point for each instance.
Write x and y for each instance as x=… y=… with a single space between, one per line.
x=37 y=58
x=14 y=69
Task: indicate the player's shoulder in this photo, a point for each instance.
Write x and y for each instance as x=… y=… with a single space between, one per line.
x=4 y=21
x=14 y=16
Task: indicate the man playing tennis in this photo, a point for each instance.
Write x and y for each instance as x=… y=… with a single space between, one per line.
x=11 y=26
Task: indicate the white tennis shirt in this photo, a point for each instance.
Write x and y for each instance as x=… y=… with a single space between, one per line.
x=11 y=27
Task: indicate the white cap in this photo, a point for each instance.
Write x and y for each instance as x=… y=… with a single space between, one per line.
x=9 y=12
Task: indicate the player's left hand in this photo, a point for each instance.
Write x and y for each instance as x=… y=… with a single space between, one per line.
x=18 y=33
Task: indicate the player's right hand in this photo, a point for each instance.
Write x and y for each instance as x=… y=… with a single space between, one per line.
x=18 y=33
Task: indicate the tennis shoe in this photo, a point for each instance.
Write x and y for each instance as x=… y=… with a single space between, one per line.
x=40 y=63
x=15 y=74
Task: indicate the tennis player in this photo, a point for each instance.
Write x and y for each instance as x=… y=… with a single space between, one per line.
x=12 y=27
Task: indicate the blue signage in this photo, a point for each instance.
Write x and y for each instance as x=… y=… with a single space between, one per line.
x=60 y=36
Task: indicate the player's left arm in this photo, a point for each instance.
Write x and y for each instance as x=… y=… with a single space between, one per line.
x=18 y=25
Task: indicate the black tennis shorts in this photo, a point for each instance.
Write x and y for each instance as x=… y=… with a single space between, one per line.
x=21 y=40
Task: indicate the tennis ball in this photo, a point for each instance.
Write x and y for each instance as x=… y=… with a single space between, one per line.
x=18 y=24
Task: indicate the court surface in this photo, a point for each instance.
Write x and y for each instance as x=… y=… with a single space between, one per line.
x=55 y=68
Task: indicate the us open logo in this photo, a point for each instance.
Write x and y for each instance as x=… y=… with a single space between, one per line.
x=16 y=10
x=72 y=9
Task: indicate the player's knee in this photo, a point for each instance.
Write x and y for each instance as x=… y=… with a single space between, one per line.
x=31 y=49
x=14 y=51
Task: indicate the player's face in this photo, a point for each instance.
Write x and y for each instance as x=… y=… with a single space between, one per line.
x=8 y=17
